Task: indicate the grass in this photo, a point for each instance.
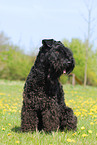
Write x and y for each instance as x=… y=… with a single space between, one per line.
x=82 y=100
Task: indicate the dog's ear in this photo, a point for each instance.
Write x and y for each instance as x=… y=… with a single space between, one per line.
x=48 y=42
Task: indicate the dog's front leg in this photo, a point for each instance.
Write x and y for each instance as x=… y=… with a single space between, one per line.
x=50 y=117
x=67 y=119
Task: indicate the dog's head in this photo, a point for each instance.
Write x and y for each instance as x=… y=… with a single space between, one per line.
x=58 y=59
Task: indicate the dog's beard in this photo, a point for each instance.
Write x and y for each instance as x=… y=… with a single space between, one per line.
x=56 y=72
x=69 y=66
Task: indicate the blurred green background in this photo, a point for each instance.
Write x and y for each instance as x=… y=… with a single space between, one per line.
x=15 y=64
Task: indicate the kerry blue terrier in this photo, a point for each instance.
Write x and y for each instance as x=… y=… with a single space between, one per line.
x=43 y=97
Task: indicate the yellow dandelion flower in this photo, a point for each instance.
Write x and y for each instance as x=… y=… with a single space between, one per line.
x=96 y=134
x=91 y=123
x=4 y=110
x=73 y=140
x=82 y=128
x=2 y=93
x=3 y=128
x=69 y=140
x=74 y=134
x=8 y=134
x=84 y=135
x=77 y=113
x=9 y=124
x=17 y=141
x=91 y=113
x=89 y=131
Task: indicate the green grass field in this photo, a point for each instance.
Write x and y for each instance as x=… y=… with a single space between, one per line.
x=82 y=100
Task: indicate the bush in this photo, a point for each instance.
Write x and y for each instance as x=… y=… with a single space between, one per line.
x=15 y=64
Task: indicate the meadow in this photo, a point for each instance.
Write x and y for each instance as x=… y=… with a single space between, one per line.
x=82 y=100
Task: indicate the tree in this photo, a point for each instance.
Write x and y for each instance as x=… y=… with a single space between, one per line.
x=14 y=64
x=3 y=39
x=89 y=20
x=78 y=48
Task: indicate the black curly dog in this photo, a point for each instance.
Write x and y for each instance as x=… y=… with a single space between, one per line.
x=43 y=97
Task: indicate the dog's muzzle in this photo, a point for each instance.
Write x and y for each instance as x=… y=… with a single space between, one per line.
x=69 y=67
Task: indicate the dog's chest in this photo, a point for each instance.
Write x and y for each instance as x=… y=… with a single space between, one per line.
x=52 y=87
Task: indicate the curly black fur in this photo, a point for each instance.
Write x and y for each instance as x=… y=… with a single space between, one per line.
x=43 y=97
